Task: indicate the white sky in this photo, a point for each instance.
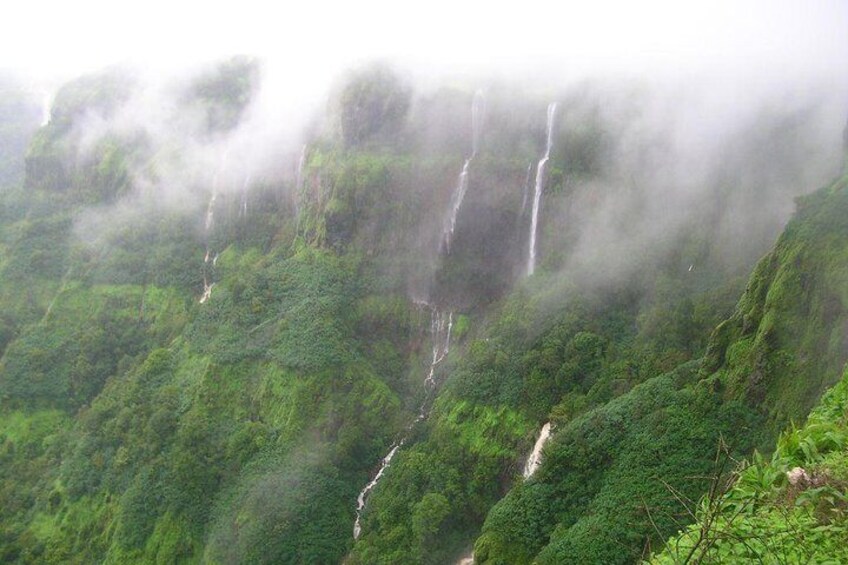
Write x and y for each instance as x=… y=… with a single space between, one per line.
x=780 y=36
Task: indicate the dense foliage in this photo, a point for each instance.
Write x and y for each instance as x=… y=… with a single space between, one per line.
x=139 y=423
x=790 y=508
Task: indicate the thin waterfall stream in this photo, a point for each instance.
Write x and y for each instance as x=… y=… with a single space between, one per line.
x=531 y=465
x=209 y=262
x=441 y=324
x=540 y=185
x=462 y=183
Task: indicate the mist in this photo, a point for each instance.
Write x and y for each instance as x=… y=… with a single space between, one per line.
x=671 y=120
x=248 y=221
x=637 y=163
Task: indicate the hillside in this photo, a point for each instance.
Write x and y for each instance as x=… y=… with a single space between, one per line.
x=788 y=508
x=626 y=468
x=218 y=350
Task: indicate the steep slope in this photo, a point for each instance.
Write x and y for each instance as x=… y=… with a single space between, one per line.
x=790 y=508
x=786 y=343
x=206 y=357
x=613 y=482
x=139 y=425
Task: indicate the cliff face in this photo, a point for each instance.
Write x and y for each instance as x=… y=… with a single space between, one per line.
x=787 y=507
x=783 y=347
x=786 y=342
x=206 y=360
x=627 y=468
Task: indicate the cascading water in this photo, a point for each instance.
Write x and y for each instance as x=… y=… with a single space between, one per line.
x=540 y=184
x=441 y=324
x=243 y=208
x=207 y=286
x=301 y=163
x=46 y=103
x=456 y=203
x=208 y=224
x=535 y=458
x=207 y=291
x=210 y=215
x=360 y=500
x=462 y=184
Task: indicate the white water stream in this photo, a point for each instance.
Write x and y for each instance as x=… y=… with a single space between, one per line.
x=535 y=458
x=208 y=224
x=210 y=213
x=540 y=185
x=46 y=106
x=360 y=500
x=462 y=184
x=243 y=209
x=441 y=324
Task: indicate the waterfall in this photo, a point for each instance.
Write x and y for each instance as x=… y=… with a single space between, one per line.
x=298 y=182
x=440 y=330
x=462 y=184
x=210 y=214
x=441 y=324
x=208 y=224
x=535 y=458
x=46 y=103
x=243 y=209
x=301 y=163
x=540 y=184
x=360 y=500
x=456 y=203
x=207 y=291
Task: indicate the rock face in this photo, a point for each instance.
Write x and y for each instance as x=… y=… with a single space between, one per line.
x=797 y=476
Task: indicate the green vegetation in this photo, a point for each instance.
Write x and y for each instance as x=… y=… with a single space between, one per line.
x=372 y=104
x=224 y=92
x=790 y=508
x=624 y=468
x=138 y=425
